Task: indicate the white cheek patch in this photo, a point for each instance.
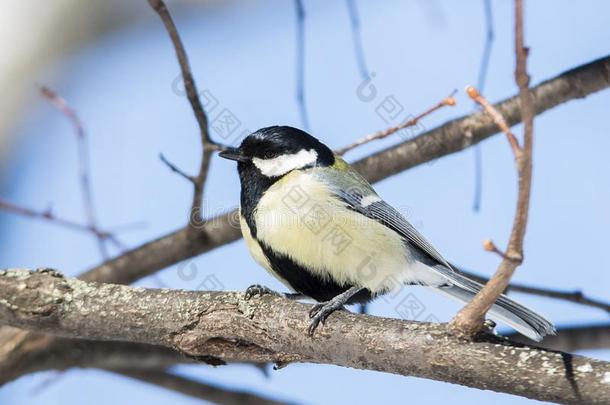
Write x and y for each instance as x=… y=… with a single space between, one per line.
x=278 y=166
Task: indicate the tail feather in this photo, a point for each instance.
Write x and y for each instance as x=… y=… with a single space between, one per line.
x=517 y=316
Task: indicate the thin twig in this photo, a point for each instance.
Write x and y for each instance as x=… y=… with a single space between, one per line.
x=300 y=63
x=189 y=82
x=483 y=69
x=177 y=170
x=49 y=216
x=447 y=101
x=469 y=320
x=496 y=117
x=196 y=218
x=490 y=246
x=354 y=19
x=84 y=164
x=192 y=93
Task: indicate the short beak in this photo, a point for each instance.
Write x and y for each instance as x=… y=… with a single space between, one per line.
x=233 y=154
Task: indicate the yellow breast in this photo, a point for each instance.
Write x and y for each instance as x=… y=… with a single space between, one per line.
x=298 y=218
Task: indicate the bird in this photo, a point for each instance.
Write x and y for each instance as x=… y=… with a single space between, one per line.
x=319 y=227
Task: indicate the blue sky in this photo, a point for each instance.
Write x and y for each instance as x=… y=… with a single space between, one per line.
x=243 y=54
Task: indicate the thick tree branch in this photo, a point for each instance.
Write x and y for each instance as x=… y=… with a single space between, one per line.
x=225 y=326
x=449 y=138
x=167 y=250
x=62 y=354
x=135 y=360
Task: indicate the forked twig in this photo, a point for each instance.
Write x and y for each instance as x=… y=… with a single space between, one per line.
x=469 y=319
x=209 y=146
x=83 y=166
x=177 y=170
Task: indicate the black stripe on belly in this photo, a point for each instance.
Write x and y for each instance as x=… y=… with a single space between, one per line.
x=308 y=283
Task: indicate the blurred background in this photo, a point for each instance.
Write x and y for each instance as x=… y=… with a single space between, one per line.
x=114 y=63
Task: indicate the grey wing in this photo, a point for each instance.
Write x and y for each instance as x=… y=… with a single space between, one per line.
x=387 y=215
x=351 y=188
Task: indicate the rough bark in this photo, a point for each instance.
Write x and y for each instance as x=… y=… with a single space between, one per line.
x=63 y=354
x=272 y=329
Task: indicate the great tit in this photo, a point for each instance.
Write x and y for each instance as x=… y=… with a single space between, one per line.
x=319 y=227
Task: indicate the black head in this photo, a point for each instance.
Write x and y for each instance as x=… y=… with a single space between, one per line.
x=276 y=151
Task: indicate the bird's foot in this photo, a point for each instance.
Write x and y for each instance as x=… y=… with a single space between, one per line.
x=257 y=289
x=320 y=312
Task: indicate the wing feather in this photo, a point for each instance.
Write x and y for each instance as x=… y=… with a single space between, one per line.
x=358 y=195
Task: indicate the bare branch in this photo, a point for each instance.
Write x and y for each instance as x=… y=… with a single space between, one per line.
x=196 y=219
x=198 y=389
x=177 y=170
x=48 y=353
x=469 y=319
x=49 y=216
x=189 y=82
x=209 y=146
x=83 y=163
x=447 y=101
x=272 y=329
x=496 y=117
